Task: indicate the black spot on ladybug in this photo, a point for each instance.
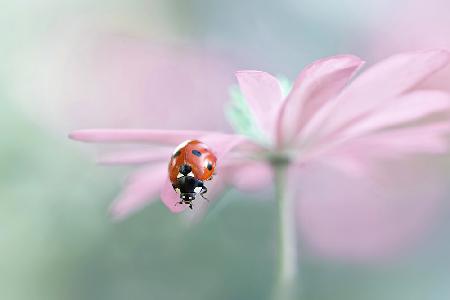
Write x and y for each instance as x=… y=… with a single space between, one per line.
x=176 y=153
x=209 y=166
x=196 y=153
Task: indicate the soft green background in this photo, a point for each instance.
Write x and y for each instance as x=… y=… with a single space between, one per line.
x=56 y=239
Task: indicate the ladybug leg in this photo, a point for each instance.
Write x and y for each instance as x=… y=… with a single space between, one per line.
x=176 y=188
x=203 y=192
x=190 y=205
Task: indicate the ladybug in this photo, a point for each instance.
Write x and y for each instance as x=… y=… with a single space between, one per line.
x=192 y=163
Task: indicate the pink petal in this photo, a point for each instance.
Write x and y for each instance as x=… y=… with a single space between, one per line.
x=249 y=175
x=169 y=137
x=222 y=144
x=318 y=83
x=380 y=84
x=344 y=215
x=395 y=143
x=263 y=94
x=141 y=189
x=136 y=156
x=432 y=139
x=170 y=198
x=406 y=108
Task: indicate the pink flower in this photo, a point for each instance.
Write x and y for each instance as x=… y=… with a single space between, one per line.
x=110 y=79
x=420 y=24
x=326 y=127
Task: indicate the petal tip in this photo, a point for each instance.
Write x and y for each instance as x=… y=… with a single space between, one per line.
x=116 y=216
x=176 y=209
x=72 y=135
x=439 y=57
x=445 y=54
x=79 y=135
x=441 y=54
x=241 y=74
x=116 y=213
x=349 y=60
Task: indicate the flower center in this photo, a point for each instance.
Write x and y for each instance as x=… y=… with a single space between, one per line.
x=279 y=158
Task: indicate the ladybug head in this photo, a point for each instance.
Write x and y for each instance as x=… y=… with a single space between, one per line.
x=187 y=197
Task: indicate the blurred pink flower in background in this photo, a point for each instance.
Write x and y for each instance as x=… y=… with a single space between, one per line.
x=346 y=146
x=84 y=78
x=422 y=24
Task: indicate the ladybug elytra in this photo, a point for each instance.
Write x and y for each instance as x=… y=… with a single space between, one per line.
x=191 y=164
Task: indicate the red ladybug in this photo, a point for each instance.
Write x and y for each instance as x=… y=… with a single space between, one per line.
x=191 y=164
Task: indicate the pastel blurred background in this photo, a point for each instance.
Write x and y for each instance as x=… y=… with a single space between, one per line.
x=147 y=63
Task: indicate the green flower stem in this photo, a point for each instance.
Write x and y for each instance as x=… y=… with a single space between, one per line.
x=286 y=287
